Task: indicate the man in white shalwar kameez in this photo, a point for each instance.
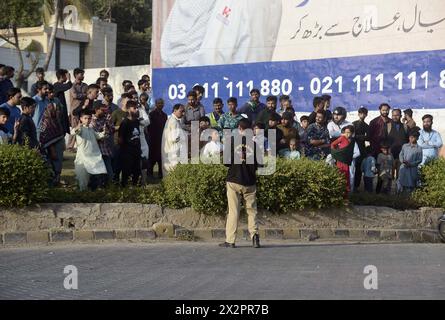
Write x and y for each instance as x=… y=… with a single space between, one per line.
x=144 y=121
x=88 y=157
x=174 y=141
x=212 y=32
x=430 y=140
x=211 y=153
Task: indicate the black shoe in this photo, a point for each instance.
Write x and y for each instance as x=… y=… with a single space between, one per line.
x=227 y=245
x=256 y=241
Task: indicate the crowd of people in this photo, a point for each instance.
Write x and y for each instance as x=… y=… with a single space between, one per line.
x=115 y=142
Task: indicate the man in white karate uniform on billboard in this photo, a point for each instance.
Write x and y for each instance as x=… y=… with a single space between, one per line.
x=214 y=32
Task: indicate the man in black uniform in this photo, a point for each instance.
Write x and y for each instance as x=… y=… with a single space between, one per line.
x=241 y=182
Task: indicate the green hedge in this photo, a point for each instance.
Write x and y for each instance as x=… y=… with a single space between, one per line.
x=297 y=185
x=432 y=191
x=152 y=194
x=200 y=186
x=24 y=176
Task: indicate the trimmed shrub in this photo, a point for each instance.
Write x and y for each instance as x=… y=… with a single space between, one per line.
x=295 y=185
x=301 y=184
x=24 y=176
x=176 y=186
x=432 y=191
x=200 y=186
x=208 y=191
x=152 y=194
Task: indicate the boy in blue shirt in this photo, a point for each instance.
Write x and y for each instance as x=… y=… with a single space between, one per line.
x=369 y=170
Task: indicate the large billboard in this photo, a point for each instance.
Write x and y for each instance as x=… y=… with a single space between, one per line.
x=361 y=52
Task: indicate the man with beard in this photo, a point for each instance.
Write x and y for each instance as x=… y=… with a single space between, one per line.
x=285 y=104
x=100 y=122
x=88 y=103
x=318 y=141
x=174 y=141
x=408 y=120
x=378 y=128
x=62 y=85
x=217 y=112
x=361 y=136
x=397 y=137
x=430 y=140
x=129 y=137
x=271 y=107
x=253 y=107
x=318 y=104
x=78 y=94
x=42 y=102
x=193 y=111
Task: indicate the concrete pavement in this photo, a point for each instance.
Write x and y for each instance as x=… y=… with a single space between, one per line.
x=188 y=270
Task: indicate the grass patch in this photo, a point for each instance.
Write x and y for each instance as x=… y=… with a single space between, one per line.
x=150 y=194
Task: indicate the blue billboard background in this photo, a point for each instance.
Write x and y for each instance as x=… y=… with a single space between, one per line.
x=415 y=80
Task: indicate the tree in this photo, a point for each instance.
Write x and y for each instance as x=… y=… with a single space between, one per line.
x=134 y=20
x=53 y=10
x=56 y=8
x=15 y=14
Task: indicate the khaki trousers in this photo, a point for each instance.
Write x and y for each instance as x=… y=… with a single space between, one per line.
x=234 y=194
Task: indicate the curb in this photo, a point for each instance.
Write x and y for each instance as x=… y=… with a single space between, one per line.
x=168 y=231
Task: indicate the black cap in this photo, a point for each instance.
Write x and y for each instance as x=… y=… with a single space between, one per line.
x=274 y=117
x=340 y=111
x=408 y=112
x=288 y=116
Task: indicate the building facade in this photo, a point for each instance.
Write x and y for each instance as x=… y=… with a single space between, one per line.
x=80 y=42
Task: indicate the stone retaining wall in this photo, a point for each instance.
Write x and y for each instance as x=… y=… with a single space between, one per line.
x=90 y=222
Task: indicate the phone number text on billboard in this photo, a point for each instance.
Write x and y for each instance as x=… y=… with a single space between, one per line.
x=317 y=85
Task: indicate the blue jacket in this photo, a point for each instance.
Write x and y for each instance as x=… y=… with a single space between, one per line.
x=41 y=105
x=15 y=115
x=5 y=85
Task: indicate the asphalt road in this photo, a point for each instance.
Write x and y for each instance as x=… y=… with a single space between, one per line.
x=204 y=271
